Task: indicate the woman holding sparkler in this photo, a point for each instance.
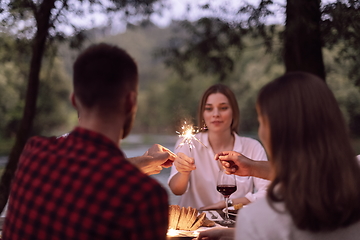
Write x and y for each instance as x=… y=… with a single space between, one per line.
x=195 y=171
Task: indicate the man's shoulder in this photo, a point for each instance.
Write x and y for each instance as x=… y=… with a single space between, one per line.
x=37 y=141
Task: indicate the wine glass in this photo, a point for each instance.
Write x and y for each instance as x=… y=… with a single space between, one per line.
x=226 y=185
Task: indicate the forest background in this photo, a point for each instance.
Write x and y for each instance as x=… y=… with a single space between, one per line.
x=166 y=98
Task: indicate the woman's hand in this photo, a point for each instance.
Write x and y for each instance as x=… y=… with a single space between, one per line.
x=235 y=163
x=184 y=164
x=161 y=153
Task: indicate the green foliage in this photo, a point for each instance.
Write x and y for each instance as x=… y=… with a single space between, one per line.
x=341 y=33
x=254 y=69
x=139 y=42
x=214 y=43
x=207 y=46
x=12 y=84
x=347 y=95
x=55 y=115
x=211 y=41
x=165 y=99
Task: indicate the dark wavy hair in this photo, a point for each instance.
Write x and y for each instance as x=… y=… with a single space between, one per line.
x=102 y=74
x=315 y=170
x=220 y=88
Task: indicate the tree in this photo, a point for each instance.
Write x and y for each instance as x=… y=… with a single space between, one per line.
x=214 y=42
x=48 y=18
x=302 y=40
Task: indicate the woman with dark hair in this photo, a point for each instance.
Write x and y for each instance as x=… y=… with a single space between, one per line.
x=195 y=172
x=314 y=192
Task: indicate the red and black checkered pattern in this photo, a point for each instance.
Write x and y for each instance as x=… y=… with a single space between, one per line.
x=82 y=187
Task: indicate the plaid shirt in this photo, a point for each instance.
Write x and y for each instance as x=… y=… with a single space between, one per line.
x=82 y=187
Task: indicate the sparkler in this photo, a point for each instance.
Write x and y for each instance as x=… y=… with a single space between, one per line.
x=188 y=134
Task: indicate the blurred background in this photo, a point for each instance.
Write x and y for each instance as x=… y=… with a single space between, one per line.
x=181 y=48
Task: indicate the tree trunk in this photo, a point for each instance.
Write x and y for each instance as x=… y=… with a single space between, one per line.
x=42 y=15
x=302 y=39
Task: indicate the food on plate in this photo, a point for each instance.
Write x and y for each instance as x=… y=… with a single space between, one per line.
x=233 y=210
x=208 y=223
x=199 y=221
x=174 y=213
x=238 y=206
x=181 y=218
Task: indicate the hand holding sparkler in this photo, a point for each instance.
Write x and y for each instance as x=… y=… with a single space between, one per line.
x=154 y=160
x=184 y=164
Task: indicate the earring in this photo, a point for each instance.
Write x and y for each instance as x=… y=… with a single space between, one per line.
x=204 y=126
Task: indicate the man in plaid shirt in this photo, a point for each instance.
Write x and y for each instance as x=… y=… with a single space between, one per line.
x=82 y=186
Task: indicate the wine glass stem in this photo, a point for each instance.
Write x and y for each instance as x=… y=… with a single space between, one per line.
x=226 y=208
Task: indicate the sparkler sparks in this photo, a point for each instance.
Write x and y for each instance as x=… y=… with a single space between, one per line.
x=188 y=134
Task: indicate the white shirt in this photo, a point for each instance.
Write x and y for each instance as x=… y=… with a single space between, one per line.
x=201 y=190
x=259 y=221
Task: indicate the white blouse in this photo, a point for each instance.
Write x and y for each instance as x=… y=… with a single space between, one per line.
x=201 y=190
x=260 y=221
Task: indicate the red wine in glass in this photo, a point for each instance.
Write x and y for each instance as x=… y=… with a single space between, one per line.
x=226 y=190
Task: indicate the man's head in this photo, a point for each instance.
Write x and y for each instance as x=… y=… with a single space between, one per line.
x=105 y=79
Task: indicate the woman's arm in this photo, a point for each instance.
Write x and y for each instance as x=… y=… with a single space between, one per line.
x=261 y=186
x=184 y=165
x=179 y=182
x=238 y=164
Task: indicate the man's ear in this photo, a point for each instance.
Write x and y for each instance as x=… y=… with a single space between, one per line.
x=73 y=100
x=131 y=101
